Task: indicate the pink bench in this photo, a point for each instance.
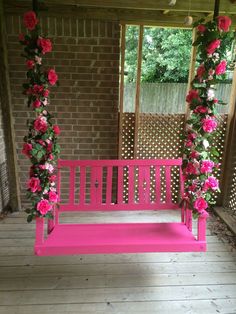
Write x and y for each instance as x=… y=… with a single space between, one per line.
x=115 y=185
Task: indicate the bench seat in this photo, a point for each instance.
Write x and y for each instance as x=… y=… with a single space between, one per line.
x=67 y=239
x=120 y=185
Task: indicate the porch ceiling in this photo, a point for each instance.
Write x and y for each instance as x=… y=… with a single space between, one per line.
x=148 y=11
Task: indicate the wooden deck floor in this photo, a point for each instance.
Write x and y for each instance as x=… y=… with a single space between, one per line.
x=122 y=284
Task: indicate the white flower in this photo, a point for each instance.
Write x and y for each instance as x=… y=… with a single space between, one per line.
x=210 y=94
x=205 y=143
x=49 y=167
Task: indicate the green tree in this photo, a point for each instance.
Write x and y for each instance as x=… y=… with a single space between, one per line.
x=166 y=54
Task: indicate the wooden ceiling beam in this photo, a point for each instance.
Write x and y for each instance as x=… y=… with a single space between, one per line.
x=226 y=6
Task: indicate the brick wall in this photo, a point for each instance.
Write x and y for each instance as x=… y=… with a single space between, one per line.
x=4 y=186
x=86 y=57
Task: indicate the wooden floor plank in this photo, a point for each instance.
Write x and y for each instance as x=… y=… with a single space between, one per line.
x=136 y=294
x=116 y=269
x=115 y=281
x=192 y=283
x=222 y=306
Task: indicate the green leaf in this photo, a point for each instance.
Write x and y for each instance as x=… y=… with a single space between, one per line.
x=29 y=218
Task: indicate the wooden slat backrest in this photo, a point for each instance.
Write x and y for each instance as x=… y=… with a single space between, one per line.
x=99 y=178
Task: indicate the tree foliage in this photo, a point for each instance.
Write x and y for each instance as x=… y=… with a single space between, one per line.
x=165 y=57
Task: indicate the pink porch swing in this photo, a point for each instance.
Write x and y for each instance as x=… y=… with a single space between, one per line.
x=64 y=239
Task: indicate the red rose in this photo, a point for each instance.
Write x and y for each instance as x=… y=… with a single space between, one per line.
x=44 y=206
x=21 y=37
x=45 y=44
x=201 y=28
x=200 y=71
x=46 y=93
x=30 y=64
x=49 y=147
x=27 y=149
x=201 y=109
x=221 y=67
x=52 y=178
x=34 y=184
x=30 y=20
x=52 y=77
x=192 y=96
x=224 y=23
x=37 y=89
x=213 y=46
x=40 y=125
x=56 y=129
x=36 y=103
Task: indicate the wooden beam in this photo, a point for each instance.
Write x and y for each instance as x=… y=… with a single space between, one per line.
x=181 y=5
x=5 y=95
x=129 y=16
x=230 y=144
x=191 y=70
x=137 y=93
x=121 y=94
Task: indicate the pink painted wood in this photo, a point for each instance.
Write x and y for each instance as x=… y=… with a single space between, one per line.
x=105 y=175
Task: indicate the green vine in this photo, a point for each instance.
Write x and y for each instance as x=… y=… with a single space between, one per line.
x=200 y=158
x=40 y=144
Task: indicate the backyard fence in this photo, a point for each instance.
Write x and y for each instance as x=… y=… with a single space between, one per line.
x=166 y=98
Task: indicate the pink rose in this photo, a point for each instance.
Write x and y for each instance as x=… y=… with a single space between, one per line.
x=200 y=204
x=27 y=149
x=52 y=77
x=45 y=45
x=56 y=129
x=30 y=20
x=192 y=96
x=201 y=109
x=224 y=23
x=209 y=124
x=40 y=125
x=200 y=71
x=211 y=183
x=30 y=64
x=44 y=206
x=213 y=46
x=206 y=166
x=53 y=197
x=221 y=67
x=34 y=184
x=201 y=28
x=188 y=143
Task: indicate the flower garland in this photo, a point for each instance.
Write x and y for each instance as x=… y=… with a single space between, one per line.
x=200 y=160
x=40 y=145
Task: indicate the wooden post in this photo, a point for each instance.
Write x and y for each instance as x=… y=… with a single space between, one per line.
x=121 y=95
x=226 y=170
x=5 y=95
x=216 y=8
x=191 y=70
x=137 y=93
